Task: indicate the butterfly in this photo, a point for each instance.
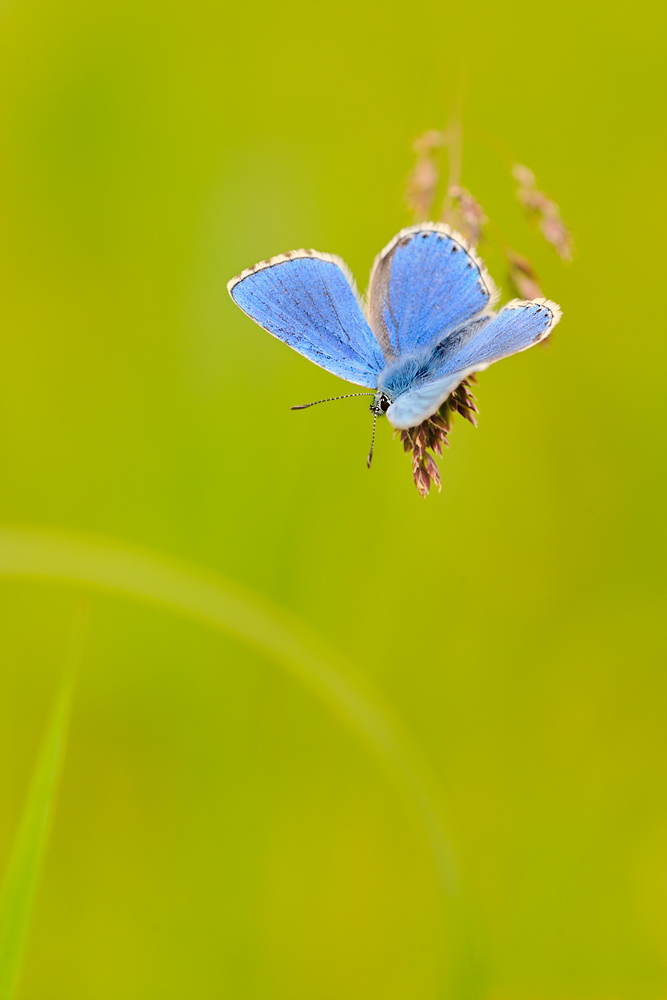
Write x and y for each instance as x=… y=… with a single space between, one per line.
x=428 y=321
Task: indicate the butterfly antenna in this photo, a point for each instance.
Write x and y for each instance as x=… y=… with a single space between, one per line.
x=332 y=399
x=370 y=453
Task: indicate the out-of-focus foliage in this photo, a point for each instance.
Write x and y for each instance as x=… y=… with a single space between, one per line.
x=219 y=833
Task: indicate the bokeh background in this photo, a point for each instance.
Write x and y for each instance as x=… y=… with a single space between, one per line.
x=220 y=832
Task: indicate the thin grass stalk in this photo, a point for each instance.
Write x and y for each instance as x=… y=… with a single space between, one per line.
x=21 y=880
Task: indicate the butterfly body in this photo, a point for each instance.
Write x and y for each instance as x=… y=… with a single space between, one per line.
x=428 y=322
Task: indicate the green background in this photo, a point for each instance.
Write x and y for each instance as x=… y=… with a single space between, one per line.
x=220 y=833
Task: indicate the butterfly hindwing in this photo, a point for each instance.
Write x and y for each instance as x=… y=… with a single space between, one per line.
x=306 y=299
x=423 y=285
x=518 y=326
x=415 y=405
x=472 y=349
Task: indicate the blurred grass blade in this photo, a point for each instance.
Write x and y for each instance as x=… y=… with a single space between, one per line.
x=160 y=580
x=221 y=604
x=22 y=876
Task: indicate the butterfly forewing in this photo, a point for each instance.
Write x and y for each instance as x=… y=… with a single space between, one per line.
x=307 y=300
x=423 y=285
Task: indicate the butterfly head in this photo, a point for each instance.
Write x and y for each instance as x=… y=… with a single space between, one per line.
x=381 y=403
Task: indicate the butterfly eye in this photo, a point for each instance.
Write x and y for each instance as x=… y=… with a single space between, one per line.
x=384 y=404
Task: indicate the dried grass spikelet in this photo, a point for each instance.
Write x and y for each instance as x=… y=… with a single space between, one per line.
x=545 y=210
x=432 y=435
x=423 y=179
x=464 y=213
x=524 y=280
x=522 y=276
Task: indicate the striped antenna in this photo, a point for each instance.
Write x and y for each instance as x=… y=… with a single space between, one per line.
x=370 y=453
x=332 y=399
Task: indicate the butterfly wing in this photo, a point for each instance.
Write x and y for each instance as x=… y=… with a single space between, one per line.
x=424 y=284
x=472 y=349
x=307 y=300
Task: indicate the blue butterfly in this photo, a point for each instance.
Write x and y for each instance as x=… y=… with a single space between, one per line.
x=427 y=324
